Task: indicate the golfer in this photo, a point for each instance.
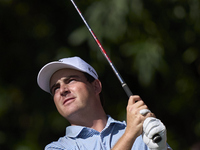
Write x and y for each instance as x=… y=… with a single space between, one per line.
x=76 y=91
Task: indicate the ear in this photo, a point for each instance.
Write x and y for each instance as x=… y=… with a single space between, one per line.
x=97 y=86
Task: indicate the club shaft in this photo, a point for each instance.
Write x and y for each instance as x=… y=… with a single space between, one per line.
x=124 y=85
x=156 y=138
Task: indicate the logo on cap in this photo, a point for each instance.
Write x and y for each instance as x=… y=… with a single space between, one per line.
x=91 y=70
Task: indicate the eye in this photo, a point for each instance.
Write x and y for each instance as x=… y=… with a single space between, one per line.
x=71 y=80
x=54 y=89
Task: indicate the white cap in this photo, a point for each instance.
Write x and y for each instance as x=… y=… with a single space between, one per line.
x=49 y=69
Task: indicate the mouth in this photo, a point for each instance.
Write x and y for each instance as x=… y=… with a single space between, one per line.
x=68 y=100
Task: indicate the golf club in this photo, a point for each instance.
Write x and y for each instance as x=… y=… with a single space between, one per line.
x=156 y=138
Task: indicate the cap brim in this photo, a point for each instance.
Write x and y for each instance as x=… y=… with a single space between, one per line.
x=47 y=71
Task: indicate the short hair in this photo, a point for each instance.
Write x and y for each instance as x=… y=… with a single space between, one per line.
x=91 y=79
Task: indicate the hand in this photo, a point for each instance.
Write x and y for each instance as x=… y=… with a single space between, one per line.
x=152 y=126
x=134 y=117
x=137 y=112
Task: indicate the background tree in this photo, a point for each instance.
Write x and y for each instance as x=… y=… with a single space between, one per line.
x=154 y=44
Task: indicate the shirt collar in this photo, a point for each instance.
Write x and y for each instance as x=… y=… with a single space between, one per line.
x=74 y=131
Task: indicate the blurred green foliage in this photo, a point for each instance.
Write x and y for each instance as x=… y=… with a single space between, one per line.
x=154 y=44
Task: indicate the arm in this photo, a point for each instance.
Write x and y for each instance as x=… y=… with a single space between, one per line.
x=134 y=123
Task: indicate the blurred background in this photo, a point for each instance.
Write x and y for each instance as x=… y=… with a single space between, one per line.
x=154 y=45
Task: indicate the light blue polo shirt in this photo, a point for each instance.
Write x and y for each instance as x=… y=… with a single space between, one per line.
x=83 y=138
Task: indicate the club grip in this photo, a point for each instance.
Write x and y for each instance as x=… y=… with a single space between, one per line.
x=127 y=90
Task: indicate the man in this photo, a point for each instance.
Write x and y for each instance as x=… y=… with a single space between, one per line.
x=76 y=91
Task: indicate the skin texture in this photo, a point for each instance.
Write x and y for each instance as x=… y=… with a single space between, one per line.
x=78 y=101
x=134 y=123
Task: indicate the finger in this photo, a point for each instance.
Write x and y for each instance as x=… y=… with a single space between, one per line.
x=151 y=126
x=158 y=128
x=144 y=111
x=134 y=99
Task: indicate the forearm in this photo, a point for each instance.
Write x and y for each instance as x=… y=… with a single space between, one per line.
x=138 y=123
x=134 y=124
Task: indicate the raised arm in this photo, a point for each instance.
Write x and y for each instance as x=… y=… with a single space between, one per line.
x=134 y=123
x=135 y=126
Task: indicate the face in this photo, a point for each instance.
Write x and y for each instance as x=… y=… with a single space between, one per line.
x=73 y=94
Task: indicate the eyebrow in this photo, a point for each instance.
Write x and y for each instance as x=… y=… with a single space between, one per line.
x=66 y=79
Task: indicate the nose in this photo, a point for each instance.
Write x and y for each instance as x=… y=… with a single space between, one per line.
x=64 y=90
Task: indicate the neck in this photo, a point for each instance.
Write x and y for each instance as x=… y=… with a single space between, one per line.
x=96 y=120
x=99 y=124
